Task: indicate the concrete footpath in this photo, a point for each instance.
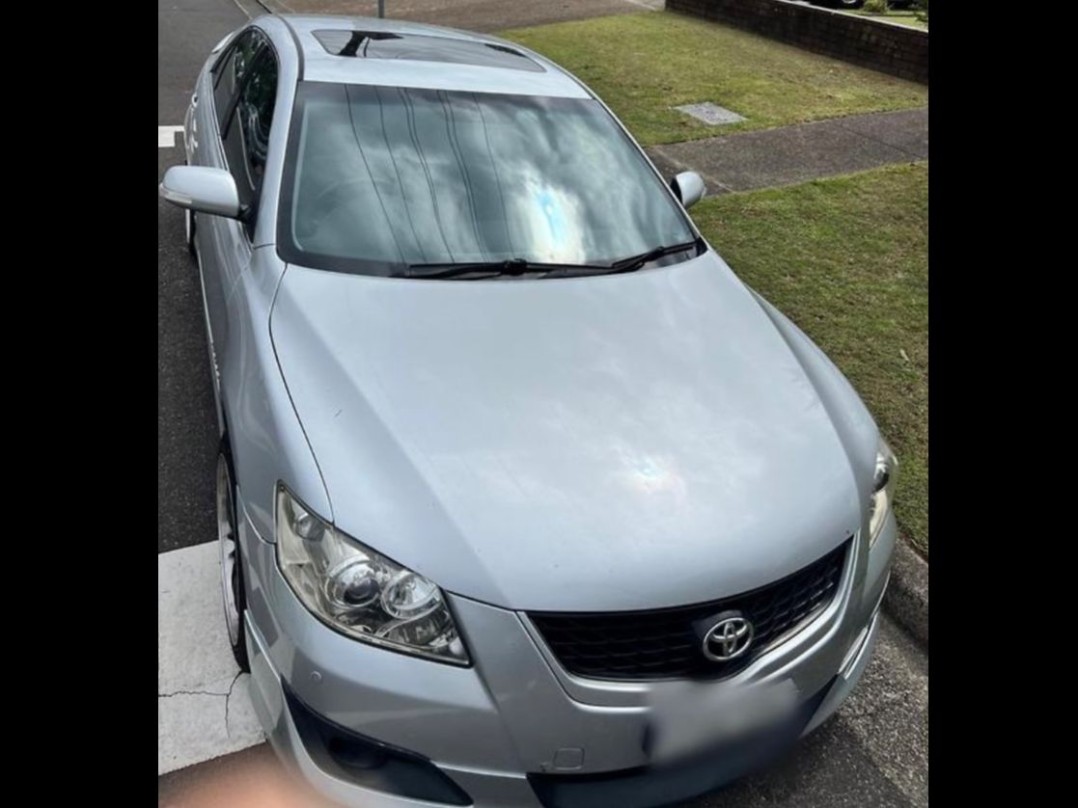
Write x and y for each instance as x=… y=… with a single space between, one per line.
x=789 y=155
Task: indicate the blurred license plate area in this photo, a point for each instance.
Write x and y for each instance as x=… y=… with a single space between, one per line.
x=682 y=779
x=690 y=717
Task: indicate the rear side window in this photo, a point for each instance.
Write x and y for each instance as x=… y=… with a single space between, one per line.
x=229 y=72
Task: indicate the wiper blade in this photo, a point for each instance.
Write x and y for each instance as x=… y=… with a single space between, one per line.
x=511 y=266
x=492 y=269
x=635 y=262
x=515 y=267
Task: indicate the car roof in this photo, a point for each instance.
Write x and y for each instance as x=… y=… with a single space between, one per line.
x=410 y=54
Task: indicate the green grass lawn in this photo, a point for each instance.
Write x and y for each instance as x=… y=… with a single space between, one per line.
x=644 y=64
x=847 y=260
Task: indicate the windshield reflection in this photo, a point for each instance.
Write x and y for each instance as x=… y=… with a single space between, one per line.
x=380 y=177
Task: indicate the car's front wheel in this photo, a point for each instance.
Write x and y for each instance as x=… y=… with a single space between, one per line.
x=232 y=591
x=189 y=230
x=189 y=227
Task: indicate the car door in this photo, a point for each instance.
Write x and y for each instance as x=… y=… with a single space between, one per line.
x=244 y=92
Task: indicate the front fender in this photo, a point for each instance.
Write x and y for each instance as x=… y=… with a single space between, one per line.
x=853 y=423
x=268 y=443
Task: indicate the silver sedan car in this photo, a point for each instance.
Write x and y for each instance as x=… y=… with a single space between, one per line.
x=524 y=498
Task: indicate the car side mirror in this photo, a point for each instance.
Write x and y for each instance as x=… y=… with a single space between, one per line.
x=203 y=189
x=689 y=188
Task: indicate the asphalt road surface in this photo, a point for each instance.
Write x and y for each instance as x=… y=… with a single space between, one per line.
x=872 y=753
x=186 y=425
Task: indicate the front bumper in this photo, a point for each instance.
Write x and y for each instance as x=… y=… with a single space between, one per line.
x=515 y=712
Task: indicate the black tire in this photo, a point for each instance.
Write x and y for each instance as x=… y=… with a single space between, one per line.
x=189 y=226
x=234 y=582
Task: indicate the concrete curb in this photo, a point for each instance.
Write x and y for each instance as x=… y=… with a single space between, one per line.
x=906 y=599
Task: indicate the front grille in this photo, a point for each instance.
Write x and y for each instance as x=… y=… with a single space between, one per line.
x=666 y=643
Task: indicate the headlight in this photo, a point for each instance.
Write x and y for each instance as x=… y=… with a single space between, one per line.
x=359 y=592
x=883 y=486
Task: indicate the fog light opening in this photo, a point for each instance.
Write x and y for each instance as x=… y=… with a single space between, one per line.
x=352 y=755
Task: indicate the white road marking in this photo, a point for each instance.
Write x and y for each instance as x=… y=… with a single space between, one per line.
x=203 y=706
x=166 y=136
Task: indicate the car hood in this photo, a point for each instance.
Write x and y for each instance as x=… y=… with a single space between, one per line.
x=618 y=442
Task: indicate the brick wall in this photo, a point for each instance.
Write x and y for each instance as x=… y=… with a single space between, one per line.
x=890 y=48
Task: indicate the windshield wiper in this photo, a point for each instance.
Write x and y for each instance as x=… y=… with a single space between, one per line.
x=635 y=262
x=491 y=269
x=516 y=267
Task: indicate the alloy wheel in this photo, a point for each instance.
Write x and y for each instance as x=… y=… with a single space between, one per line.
x=226 y=541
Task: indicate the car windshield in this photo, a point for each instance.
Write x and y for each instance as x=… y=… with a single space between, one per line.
x=381 y=178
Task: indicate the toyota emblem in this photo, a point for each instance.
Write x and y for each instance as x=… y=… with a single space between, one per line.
x=728 y=639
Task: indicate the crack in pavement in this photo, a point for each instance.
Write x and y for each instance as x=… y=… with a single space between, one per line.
x=227 y=694
x=228 y=697
x=192 y=693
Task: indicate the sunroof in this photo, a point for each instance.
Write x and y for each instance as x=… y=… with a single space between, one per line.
x=419 y=48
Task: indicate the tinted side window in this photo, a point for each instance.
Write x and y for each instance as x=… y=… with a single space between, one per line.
x=246 y=139
x=229 y=72
x=254 y=114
